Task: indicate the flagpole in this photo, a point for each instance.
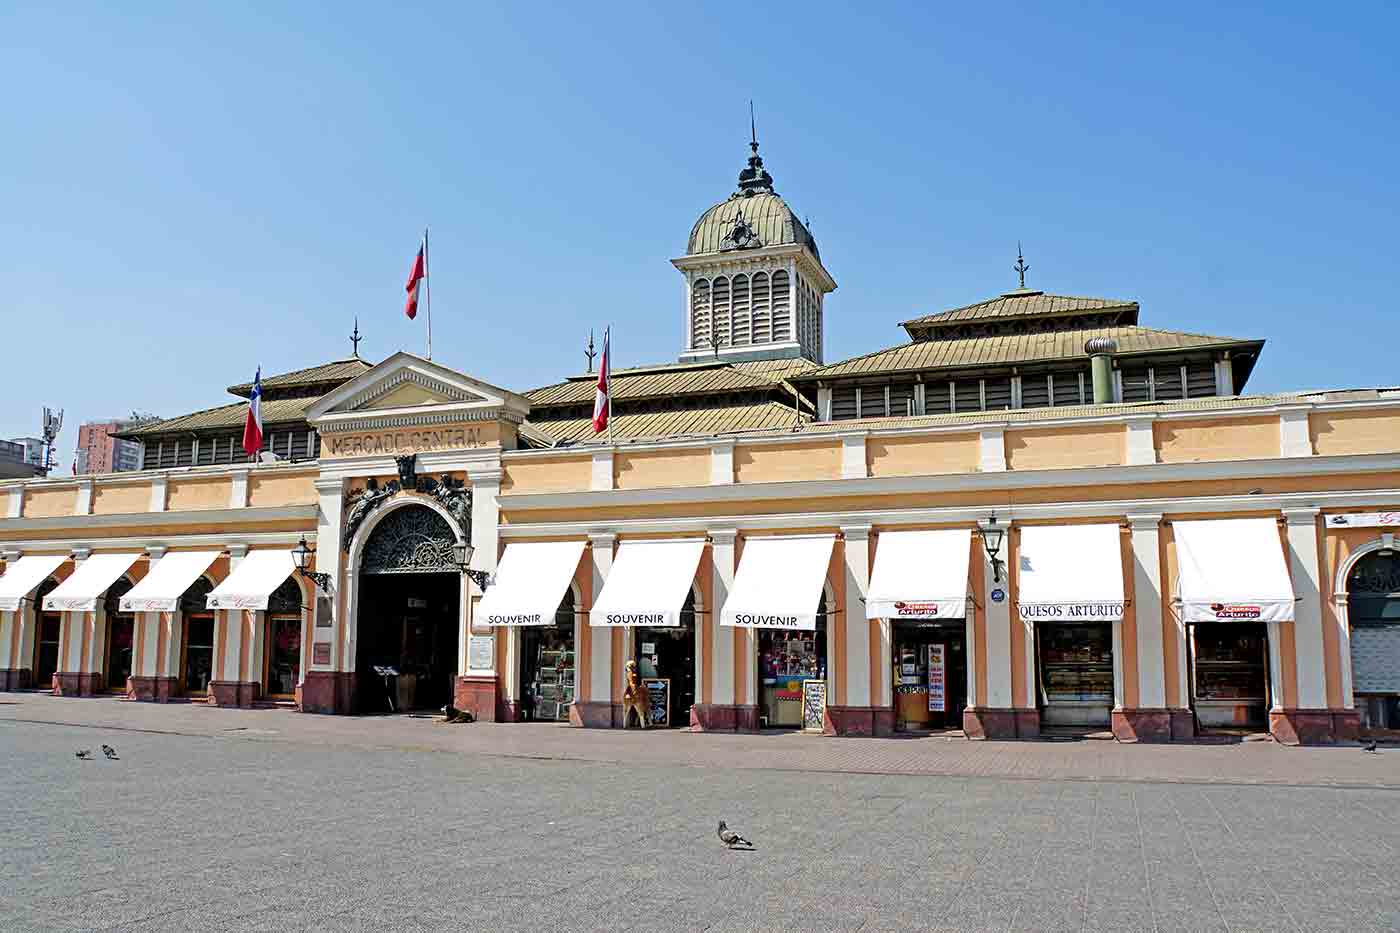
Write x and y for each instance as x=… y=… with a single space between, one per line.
x=428 y=292
x=608 y=362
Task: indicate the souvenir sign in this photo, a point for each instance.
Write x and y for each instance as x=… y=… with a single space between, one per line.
x=936 y=679
x=813 y=705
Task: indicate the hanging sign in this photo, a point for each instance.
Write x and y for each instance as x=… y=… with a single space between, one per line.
x=1364 y=520
x=813 y=705
x=658 y=700
x=936 y=679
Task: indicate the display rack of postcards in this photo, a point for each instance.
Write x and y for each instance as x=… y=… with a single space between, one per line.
x=555 y=690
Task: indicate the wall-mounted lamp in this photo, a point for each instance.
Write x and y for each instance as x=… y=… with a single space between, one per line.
x=991 y=540
x=462 y=552
x=303 y=553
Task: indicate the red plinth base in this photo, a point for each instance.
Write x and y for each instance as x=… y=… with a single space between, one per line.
x=76 y=685
x=152 y=689
x=1314 y=726
x=1001 y=723
x=595 y=715
x=478 y=696
x=327 y=692
x=15 y=679
x=849 y=720
x=232 y=693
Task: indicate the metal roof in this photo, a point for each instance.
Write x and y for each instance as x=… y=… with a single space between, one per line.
x=772 y=221
x=334 y=372
x=1025 y=303
x=274 y=411
x=1007 y=349
x=663 y=424
x=672 y=380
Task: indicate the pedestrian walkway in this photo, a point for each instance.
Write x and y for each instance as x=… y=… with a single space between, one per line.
x=935 y=755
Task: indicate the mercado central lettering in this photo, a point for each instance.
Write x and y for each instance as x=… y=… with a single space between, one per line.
x=1033 y=511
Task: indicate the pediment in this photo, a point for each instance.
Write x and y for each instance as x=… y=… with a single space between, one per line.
x=406 y=389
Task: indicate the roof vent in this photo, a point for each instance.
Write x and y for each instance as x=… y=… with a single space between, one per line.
x=1095 y=346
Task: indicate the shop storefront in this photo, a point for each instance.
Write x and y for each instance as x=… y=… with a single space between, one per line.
x=1234 y=591
x=282 y=658
x=121 y=638
x=85 y=589
x=919 y=583
x=787 y=660
x=48 y=636
x=548 y=666
x=197 y=645
x=1069 y=581
x=175 y=582
x=1373 y=612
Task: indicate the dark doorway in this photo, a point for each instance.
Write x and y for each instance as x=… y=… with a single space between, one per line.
x=48 y=633
x=282 y=657
x=121 y=637
x=930 y=674
x=197 y=646
x=670 y=653
x=547 y=666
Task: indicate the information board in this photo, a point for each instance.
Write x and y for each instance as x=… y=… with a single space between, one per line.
x=481 y=652
x=813 y=705
x=937 y=703
x=658 y=700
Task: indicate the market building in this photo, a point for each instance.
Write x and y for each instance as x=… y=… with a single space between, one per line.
x=1034 y=513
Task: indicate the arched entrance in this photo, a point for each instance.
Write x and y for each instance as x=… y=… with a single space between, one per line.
x=121 y=637
x=408 y=613
x=1373 y=615
x=669 y=653
x=48 y=635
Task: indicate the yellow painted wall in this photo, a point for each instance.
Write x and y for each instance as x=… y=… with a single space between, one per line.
x=120 y=500
x=399 y=441
x=1063 y=447
x=1217 y=439
x=49 y=503
x=1355 y=432
x=269 y=491
x=778 y=463
x=547 y=474
x=921 y=456
x=650 y=469
x=187 y=495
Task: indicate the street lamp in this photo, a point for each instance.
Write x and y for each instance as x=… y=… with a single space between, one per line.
x=991 y=540
x=462 y=553
x=303 y=553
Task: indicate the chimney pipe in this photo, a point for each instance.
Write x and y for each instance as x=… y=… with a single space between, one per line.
x=1101 y=350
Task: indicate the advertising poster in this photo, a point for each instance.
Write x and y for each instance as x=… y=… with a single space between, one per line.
x=936 y=701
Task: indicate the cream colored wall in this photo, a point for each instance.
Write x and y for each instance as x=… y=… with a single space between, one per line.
x=1217 y=439
x=920 y=456
x=268 y=491
x=777 y=463
x=50 y=503
x=651 y=469
x=121 y=500
x=1062 y=447
x=547 y=474
x=1355 y=432
x=193 y=494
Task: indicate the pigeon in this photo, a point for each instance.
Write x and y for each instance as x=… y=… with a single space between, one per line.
x=1370 y=746
x=84 y=753
x=731 y=838
x=110 y=752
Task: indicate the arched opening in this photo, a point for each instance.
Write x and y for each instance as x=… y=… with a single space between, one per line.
x=407 y=616
x=197 y=641
x=282 y=656
x=47 y=636
x=1373 y=614
x=547 y=665
x=121 y=637
x=669 y=654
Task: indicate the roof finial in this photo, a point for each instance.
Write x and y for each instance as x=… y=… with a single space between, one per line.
x=753 y=129
x=590 y=352
x=1021 y=267
x=755 y=178
x=355 y=338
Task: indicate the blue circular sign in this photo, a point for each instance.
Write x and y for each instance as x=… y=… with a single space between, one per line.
x=998 y=595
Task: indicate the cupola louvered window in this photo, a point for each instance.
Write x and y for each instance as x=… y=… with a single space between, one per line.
x=938 y=398
x=1168 y=383
x=872 y=401
x=761 y=303
x=967 y=395
x=740 y=323
x=1136 y=384
x=901 y=399
x=1070 y=388
x=782 y=306
x=700 y=314
x=1200 y=379
x=1035 y=391
x=843 y=403
x=184 y=452
x=719 y=313
x=997 y=393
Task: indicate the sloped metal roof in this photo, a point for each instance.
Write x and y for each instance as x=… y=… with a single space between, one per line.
x=768 y=214
x=1025 y=303
x=672 y=380
x=274 y=411
x=1009 y=349
x=337 y=372
x=661 y=424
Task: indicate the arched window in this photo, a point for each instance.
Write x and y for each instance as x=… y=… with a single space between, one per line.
x=1373 y=611
x=740 y=322
x=760 y=301
x=700 y=314
x=720 y=311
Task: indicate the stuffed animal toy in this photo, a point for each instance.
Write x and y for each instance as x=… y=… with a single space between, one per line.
x=634 y=697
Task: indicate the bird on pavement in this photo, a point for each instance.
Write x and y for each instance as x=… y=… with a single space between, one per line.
x=1370 y=746
x=84 y=753
x=730 y=838
x=110 y=752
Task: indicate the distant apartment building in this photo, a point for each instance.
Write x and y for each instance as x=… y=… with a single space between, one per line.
x=100 y=452
x=33 y=450
x=12 y=461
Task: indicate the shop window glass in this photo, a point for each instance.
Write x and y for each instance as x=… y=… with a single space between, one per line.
x=547 y=666
x=785 y=660
x=121 y=636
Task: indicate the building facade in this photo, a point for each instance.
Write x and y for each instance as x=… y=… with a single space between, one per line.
x=101 y=449
x=1034 y=515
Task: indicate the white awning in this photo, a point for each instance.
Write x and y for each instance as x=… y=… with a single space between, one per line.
x=648 y=583
x=529 y=583
x=1232 y=569
x=779 y=583
x=920 y=575
x=81 y=591
x=161 y=589
x=255 y=578
x=23 y=576
x=1070 y=573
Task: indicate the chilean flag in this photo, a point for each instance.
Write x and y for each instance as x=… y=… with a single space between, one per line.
x=415 y=284
x=600 y=399
x=252 y=426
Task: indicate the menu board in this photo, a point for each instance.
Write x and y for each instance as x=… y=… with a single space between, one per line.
x=813 y=705
x=937 y=677
x=658 y=700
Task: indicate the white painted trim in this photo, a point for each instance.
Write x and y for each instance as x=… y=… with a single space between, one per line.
x=1224 y=377
x=238 y=492
x=1295 y=437
x=16 y=506
x=159 y=487
x=1145 y=541
x=1141 y=445
x=603 y=469
x=853 y=465
x=823 y=403
x=992 y=450
x=722 y=463
x=1308 y=644
x=85 y=524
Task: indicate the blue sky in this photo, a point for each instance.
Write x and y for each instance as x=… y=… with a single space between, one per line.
x=187 y=193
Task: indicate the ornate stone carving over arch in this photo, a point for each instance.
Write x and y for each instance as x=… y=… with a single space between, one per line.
x=451 y=493
x=411 y=539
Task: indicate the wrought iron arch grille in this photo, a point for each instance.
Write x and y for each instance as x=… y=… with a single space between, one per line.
x=413 y=539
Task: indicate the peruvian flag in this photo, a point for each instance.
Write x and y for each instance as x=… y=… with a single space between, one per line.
x=252 y=425
x=600 y=398
x=415 y=283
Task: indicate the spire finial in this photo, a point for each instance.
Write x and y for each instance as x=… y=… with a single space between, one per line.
x=355 y=338
x=590 y=352
x=1021 y=267
x=753 y=129
x=755 y=178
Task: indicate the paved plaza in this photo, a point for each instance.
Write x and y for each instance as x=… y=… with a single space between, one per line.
x=265 y=819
